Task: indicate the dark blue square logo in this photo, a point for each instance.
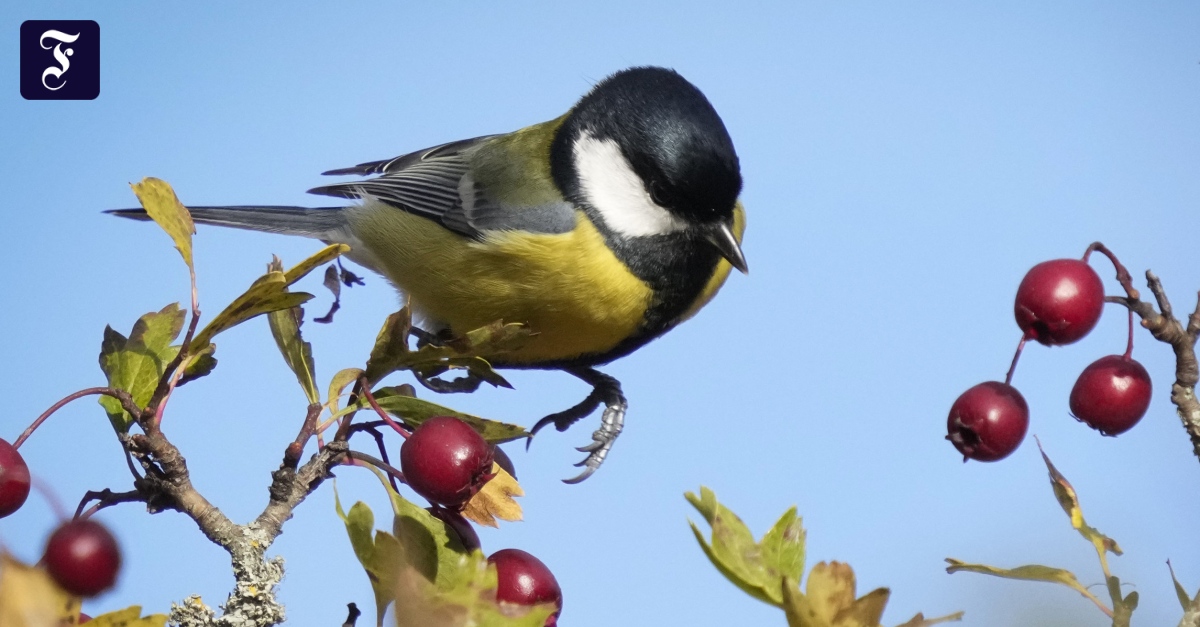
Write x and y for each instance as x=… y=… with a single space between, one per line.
x=60 y=60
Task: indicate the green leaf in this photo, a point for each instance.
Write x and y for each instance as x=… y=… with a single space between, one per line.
x=733 y=550
x=391 y=352
x=163 y=206
x=783 y=546
x=343 y=378
x=285 y=328
x=414 y=411
x=136 y=364
x=391 y=344
x=268 y=293
x=378 y=552
x=200 y=363
x=1031 y=572
x=469 y=599
x=428 y=544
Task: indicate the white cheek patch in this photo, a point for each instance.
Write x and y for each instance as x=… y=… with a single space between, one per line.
x=617 y=192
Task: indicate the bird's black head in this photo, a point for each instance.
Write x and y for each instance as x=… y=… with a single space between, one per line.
x=667 y=133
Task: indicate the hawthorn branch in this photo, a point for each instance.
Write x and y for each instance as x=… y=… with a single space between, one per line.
x=167 y=485
x=1166 y=328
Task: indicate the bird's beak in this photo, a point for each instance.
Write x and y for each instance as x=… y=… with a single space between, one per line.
x=721 y=237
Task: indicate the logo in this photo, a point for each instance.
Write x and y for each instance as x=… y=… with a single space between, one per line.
x=60 y=60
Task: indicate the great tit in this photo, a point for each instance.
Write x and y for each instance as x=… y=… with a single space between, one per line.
x=601 y=229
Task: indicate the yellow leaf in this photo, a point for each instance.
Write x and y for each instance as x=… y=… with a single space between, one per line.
x=343 y=378
x=29 y=598
x=797 y=608
x=866 y=611
x=321 y=257
x=1031 y=572
x=495 y=500
x=129 y=617
x=163 y=206
x=830 y=589
x=1069 y=500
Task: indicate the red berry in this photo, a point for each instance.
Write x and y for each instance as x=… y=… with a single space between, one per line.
x=988 y=421
x=83 y=618
x=14 y=479
x=524 y=580
x=460 y=526
x=83 y=557
x=446 y=461
x=1059 y=301
x=1112 y=394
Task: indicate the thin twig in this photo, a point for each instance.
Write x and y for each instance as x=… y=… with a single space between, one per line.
x=121 y=395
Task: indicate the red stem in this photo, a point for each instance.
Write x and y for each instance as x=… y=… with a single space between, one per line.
x=57 y=406
x=1016 y=356
x=366 y=390
x=1129 y=344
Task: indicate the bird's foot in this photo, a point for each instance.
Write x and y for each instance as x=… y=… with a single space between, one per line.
x=606 y=390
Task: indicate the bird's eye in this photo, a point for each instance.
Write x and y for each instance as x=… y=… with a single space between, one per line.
x=657 y=193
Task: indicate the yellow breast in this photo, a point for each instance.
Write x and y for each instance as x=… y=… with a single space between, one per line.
x=569 y=288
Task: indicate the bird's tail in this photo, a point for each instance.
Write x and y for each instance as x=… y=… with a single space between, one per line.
x=320 y=223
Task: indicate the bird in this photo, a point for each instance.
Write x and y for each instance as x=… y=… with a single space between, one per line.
x=601 y=229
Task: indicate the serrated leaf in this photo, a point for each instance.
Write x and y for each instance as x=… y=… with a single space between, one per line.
x=378 y=552
x=1031 y=572
x=783 y=546
x=1064 y=492
x=297 y=353
x=733 y=550
x=495 y=500
x=414 y=411
x=137 y=363
x=128 y=617
x=920 y=621
x=163 y=206
x=30 y=598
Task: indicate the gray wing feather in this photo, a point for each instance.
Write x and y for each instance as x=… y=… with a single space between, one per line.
x=430 y=183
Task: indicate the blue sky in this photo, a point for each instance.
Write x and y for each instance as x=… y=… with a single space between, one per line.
x=904 y=165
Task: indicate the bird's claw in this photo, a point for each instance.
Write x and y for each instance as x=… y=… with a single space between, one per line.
x=605 y=390
x=603 y=438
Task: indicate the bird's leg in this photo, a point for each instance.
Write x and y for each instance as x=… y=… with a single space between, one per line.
x=429 y=379
x=607 y=390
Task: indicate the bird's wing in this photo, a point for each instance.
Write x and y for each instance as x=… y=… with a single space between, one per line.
x=436 y=183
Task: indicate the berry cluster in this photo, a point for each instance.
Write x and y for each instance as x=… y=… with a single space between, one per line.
x=446 y=461
x=82 y=555
x=1058 y=303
